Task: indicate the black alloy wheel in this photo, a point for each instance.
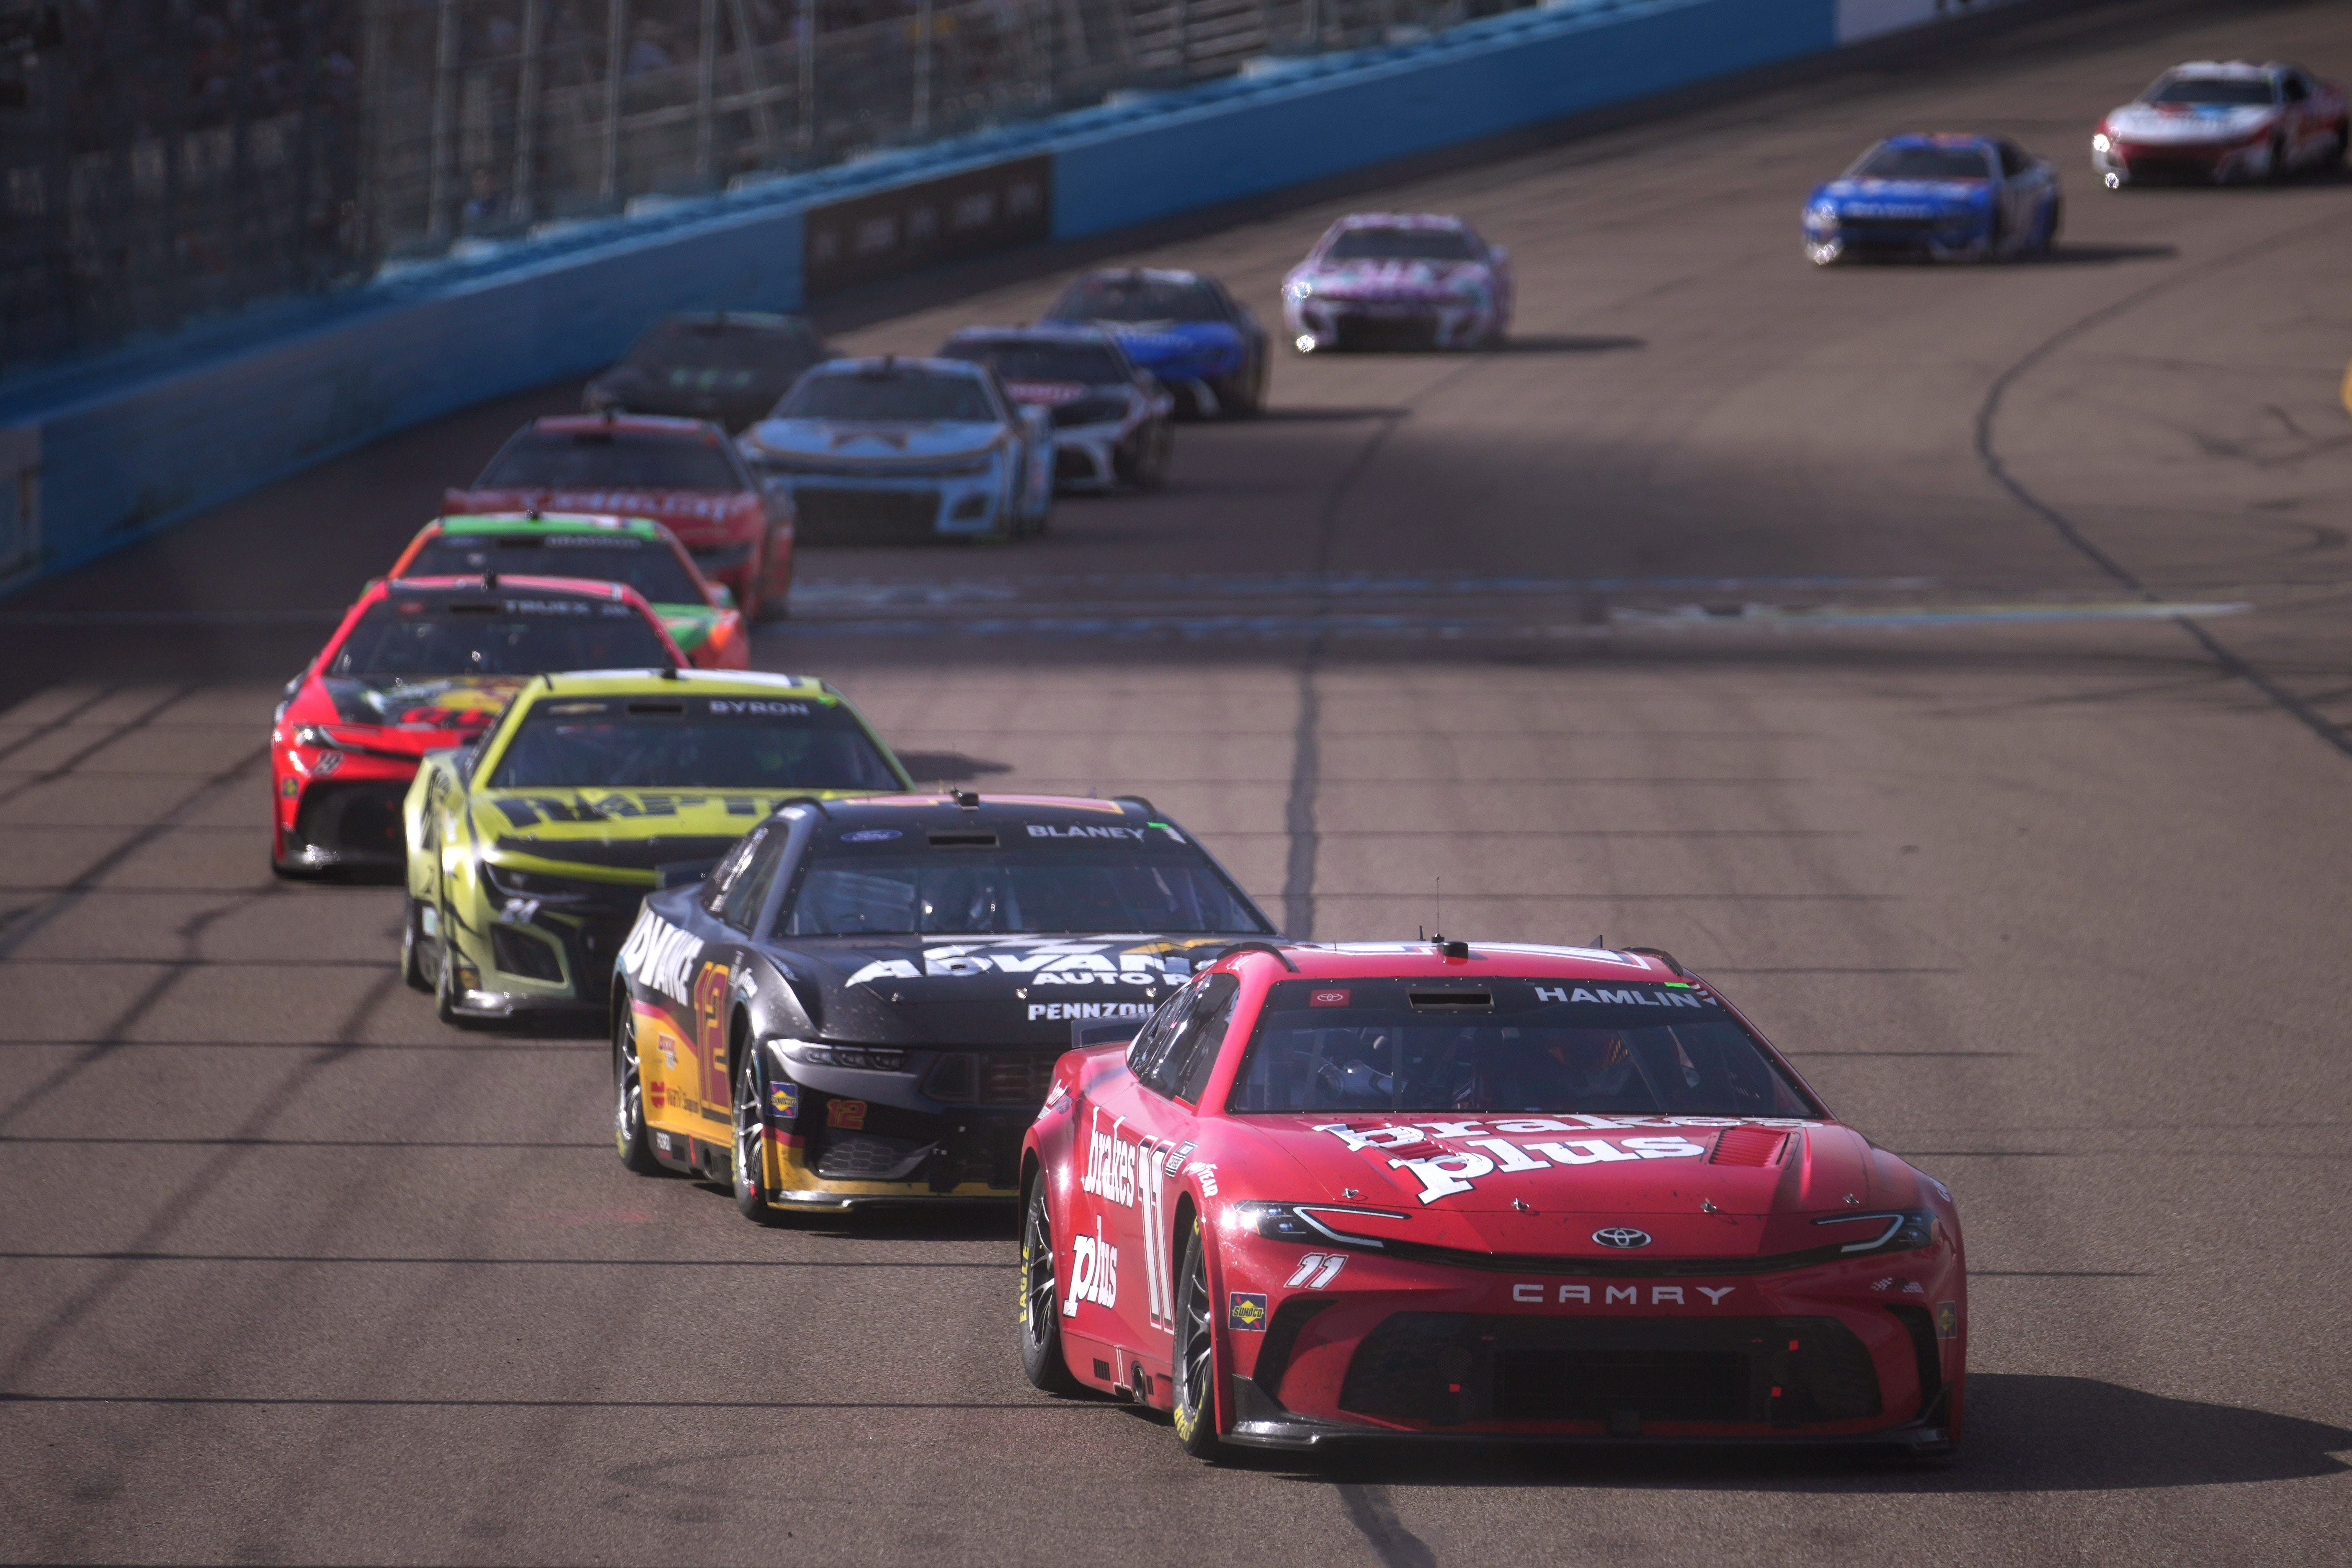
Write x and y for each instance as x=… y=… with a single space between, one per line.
x=1196 y=1354
x=629 y=1096
x=751 y=1140
x=1041 y=1304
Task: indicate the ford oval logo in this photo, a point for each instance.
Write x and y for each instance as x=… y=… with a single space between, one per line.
x=1621 y=1236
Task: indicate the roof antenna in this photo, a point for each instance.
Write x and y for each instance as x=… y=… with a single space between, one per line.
x=489 y=582
x=968 y=799
x=1441 y=911
x=1601 y=942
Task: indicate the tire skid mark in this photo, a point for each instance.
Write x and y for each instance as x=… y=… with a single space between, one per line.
x=1368 y=1509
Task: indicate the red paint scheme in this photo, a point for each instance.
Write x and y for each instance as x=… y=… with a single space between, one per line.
x=1764 y=1184
x=741 y=537
x=380 y=759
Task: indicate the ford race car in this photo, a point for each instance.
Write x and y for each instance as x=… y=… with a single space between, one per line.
x=1183 y=327
x=1942 y=197
x=530 y=849
x=699 y=617
x=897 y=450
x=419 y=666
x=681 y=473
x=1447 y=1189
x=1111 y=421
x=2216 y=121
x=863 y=1004
x=1399 y=280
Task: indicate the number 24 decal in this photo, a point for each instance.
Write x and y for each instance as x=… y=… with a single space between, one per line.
x=1328 y=1263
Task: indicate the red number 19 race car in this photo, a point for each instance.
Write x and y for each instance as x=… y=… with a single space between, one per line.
x=1331 y=1193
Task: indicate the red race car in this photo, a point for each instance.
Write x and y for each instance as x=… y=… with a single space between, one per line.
x=682 y=473
x=418 y=666
x=1331 y=1193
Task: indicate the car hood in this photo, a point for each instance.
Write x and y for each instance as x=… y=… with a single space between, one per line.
x=1905 y=198
x=621 y=835
x=1054 y=393
x=2190 y=122
x=432 y=710
x=679 y=509
x=985 y=990
x=871 y=443
x=1391 y=279
x=1152 y=344
x=1696 y=1185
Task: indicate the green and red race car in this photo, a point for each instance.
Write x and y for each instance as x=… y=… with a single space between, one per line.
x=700 y=616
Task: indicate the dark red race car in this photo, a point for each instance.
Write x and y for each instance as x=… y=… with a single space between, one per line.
x=684 y=474
x=1331 y=1193
x=419 y=666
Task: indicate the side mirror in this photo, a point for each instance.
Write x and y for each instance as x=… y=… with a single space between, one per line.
x=722 y=595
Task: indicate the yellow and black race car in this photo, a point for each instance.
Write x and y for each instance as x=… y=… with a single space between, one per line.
x=530 y=849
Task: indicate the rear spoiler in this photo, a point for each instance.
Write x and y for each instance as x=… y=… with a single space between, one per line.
x=1090 y=1033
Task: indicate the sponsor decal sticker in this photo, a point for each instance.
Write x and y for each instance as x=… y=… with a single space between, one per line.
x=1124 y=835
x=1948 y=1319
x=1058 y=1012
x=1094 y=1271
x=660 y=957
x=870 y=835
x=784 y=1099
x=1246 y=1310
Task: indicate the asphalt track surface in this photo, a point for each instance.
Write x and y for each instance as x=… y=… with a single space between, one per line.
x=1784 y=620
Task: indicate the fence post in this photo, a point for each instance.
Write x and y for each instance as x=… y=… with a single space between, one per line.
x=922 y=122
x=746 y=53
x=526 y=166
x=616 y=49
x=445 y=122
x=375 y=139
x=804 y=46
x=1183 y=40
x=706 y=93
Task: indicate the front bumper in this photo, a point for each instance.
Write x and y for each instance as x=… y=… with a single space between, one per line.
x=346 y=819
x=544 y=959
x=1319 y=322
x=943 y=1125
x=841 y=509
x=2193 y=163
x=1940 y=239
x=1086 y=457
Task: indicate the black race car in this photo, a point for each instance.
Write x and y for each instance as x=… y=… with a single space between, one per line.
x=864 y=1000
x=726 y=366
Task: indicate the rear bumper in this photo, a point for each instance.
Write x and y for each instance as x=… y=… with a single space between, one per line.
x=858 y=510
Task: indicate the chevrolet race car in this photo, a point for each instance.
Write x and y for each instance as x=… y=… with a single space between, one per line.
x=1399 y=280
x=864 y=1003
x=418 y=666
x=699 y=617
x=2217 y=120
x=897 y=450
x=1110 y=420
x=681 y=473
x=1500 y=1192
x=529 y=849
x=726 y=366
x=1183 y=328
x=1943 y=197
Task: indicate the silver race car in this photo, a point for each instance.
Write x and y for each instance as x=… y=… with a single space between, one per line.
x=1110 y=420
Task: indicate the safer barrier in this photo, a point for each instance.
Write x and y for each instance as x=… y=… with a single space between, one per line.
x=96 y=456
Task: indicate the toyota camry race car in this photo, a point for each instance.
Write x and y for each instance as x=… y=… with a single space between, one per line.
x=1451 y=1189
x=863 y=1004
x=1111 y=421
x=1183 y=327
x=681 y=473
x=895 y=450
x=699 y=617
x=2217 y=120
x=1399 y=280
x=530 y=849
x=1943 y=197
x=418 y=666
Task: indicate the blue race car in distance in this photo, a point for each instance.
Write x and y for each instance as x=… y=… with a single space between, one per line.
x=1183 y=328
x=1948 y=198
x=896 y=450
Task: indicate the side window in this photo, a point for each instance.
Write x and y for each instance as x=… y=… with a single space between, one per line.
x=1151 y=1041
x=740 y=905
x=2013 y=160
x=1184 y=1072
x=731 y=866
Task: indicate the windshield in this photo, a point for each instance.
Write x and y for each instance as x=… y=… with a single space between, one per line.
x=1371 y=244
x=1501 y=1044
x=609 y=459
x=1891 y=162
x=407 y=635
x=900 y=396
x=885 y=890
x=692 y=743
x=1123 y=299
x=648 y=565
x=702 y=354
x=1020 y=360
x=2233 y=89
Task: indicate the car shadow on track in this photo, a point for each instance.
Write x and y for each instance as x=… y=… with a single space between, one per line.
x=2026 y=1434
x=2093 y=255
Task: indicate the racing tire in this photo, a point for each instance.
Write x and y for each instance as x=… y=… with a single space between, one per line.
x=445 y=980
x=1042 y=1361
x=1147 y=468
x=1244 y=395
x=753 y=602
x=1194 y=1387
x=2047 y=246
x=412 y=949
x=2343 y=144
x=776 y=598
x=750 y=1143
x=2278 y=170
x=629 y=1096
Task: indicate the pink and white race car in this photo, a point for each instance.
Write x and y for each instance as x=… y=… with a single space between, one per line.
x=1399 y=280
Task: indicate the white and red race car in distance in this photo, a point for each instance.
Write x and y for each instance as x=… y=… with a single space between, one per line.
x=2212 y=121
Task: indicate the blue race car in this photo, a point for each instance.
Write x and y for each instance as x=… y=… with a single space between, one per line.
x=1183 y=328
x=895 y=450
x=1948 y=198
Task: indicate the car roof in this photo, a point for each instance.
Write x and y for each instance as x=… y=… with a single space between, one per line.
x=876 y=363
x=701 y=682
x=1144 y=275
x=1039 y=332
x=998 y=810
x=557 y=587
x=1425 y=960
x=2242 y=69
x=634 y=423
x=1940 y=139
x=526 y=522
x=1401 y=220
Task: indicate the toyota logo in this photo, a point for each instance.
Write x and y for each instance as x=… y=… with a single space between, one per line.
x=1621 y=1236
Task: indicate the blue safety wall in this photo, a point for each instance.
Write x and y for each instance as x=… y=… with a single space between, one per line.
x=144 y=439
